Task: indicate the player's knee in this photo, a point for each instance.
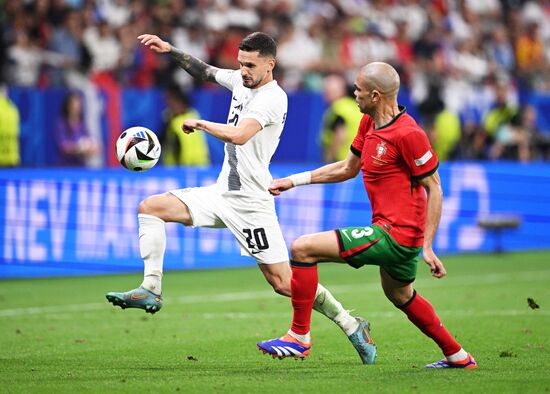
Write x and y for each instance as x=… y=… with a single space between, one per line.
x=398 y=297
x=281 y=288
x=279 y=284
x=147 y=206
x=300 y=249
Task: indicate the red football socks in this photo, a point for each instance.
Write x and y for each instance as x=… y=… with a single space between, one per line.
x=423 y=315
x=303 y=287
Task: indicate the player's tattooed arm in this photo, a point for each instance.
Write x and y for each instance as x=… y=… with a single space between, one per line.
x=196 y=67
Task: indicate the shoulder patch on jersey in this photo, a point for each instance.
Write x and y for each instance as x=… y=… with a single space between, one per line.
x=424 y=159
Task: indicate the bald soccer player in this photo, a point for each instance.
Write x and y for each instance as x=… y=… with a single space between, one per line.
x=401 y=179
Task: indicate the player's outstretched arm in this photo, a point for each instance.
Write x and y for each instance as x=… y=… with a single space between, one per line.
x=238 y=135
x=331 y=173
x=195 y=67
x=432 y=184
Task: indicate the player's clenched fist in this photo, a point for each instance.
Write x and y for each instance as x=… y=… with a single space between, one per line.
x=155 y=43
x=280 y=185
x=189 y=125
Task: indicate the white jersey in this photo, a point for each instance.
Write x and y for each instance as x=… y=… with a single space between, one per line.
x=246 y=167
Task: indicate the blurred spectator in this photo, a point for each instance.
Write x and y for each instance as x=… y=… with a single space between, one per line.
x=67 y=40
x=76 y=146
x=413 y=15
x=539 y=139
x=512 y=141
x=192 y=40
x=537 y=11
x=371 y=45
x=229 y=47
x=26 y=59
x=378 y=13
x=442 y=125
x=241 y=13
x=179 y=148
x=137 y=65
x=9 y=130
x=104 y=47
x=502 y=111
x=404 y=52
x=340 y=121
x=530 y=55
x=90 y=46
x=335 y=44
x=116 y=12
x=474 y=143
x=468 y=70
x=297 y=52
x=500 y=50
x=521 y=139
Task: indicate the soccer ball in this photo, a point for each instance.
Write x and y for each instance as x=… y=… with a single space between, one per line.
x=138 y=149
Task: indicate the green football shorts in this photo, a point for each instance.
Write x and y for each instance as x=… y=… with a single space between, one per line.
x=373 y=246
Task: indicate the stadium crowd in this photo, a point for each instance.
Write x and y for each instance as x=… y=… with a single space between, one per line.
x=468 y=65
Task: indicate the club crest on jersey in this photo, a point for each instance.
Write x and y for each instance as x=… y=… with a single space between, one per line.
x=381 y=150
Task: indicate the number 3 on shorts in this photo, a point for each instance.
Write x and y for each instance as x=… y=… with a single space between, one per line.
x=357 y=233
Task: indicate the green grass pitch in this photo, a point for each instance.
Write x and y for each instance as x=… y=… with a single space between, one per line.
x=61 y=335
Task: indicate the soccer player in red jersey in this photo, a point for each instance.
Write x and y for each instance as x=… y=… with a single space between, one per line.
x=400 y=174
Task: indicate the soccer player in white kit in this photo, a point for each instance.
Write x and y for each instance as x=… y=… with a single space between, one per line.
x=240 y=199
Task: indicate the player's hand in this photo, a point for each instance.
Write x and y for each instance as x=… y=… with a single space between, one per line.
x=280 y=185
x=436 y=266
x=155 y=43
x=189 y=125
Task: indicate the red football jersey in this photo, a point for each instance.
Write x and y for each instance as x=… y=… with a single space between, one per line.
x=392 y=158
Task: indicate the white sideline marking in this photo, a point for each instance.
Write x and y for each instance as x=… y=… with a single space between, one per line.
x=386 y=315
x=527 y=276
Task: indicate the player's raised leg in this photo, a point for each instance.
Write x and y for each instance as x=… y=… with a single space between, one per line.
x=422 y=314
x=154 y=212
x=306 y=292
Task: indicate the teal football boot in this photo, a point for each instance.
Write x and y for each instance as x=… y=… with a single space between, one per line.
x=362 y=342
x=137 y=298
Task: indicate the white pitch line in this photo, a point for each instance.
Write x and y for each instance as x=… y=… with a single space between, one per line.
x=527 y=276
x=388 y=314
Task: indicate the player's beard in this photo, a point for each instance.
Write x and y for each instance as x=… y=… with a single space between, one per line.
x=252 y=83
x=363 y=108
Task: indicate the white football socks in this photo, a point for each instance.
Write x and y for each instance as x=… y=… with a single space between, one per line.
x=326 y=304
x=305 y=338
x=458 y=356
x=152 y=244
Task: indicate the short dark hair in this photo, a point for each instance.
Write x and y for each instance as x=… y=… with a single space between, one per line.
x=179 y=95
x=260 y=42
x=66 y=102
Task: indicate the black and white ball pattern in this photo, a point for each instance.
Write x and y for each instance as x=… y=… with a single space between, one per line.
x=138 y=149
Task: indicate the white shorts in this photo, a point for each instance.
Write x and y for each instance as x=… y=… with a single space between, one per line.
x=252 y=220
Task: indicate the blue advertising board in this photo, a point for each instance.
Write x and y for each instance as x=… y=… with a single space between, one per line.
x=73 y=222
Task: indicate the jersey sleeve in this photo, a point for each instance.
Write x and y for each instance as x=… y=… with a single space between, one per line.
x=357 y=144
x=418 y=154
x=228 y=78
x=267 y=108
